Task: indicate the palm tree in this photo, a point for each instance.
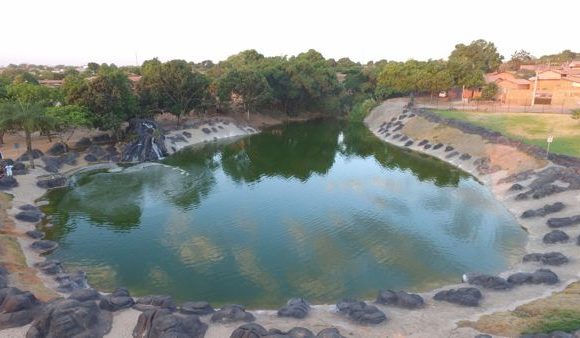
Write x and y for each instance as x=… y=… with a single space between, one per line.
x=28 y=117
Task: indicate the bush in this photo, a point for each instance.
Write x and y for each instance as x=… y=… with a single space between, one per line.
x=489 y=91
x=361 y=110
x=576 y=114
x=561 y=320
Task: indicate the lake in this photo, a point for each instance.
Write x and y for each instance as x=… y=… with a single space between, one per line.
x=320 y=210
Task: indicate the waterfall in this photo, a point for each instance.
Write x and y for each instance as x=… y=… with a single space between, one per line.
x=156 y=149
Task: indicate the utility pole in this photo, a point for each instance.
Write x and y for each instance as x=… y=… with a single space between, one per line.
x=535 y=89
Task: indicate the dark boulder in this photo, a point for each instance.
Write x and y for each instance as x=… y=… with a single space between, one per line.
x=409 y=143
x=35 y=234
x=82 y=295
x=296 y=332
x=461 y=296
x=561 y=222
x=295 y=308
x=555 y=236
x=70 y=318
x=404 y=138
x=543 y=211
x=232 y=313
x=28 y=207
x=196 y=308
x=148 y=142
x=19 y=169
x=206 y=130
x=69 y=282
x=82 y=144
x=187 y=134
x=57 y=149
x=251 y=330
x=43 y=246
x=49 y=267
x=330 y=332
x=516 y=187
x=30 y=216
x=550 y=258
x=162 y=323
x=8 y=182
x=483 y=336
x=17 y=307
x=465 y=157
x=449 y=148
x=437 y=146
x=400 y=299
x=487 y=281
x=360 y=312
x=540 y=276
x=155 y=302
x=427 y=146
x=54 y=182
x=119 y=299
x=102 y=139
x=36 y=154
x=452 y=154
x=91 y=158
x=423 y=142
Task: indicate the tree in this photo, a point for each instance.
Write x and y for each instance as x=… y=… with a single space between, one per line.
x=68 y=118
x=519 y=58
x=26 y=116
x=109 y=97
x=480 y=54
x=173 y=87
x=249 y=84
x=489 y=91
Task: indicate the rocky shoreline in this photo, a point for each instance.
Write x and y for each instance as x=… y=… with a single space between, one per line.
x=548 y=196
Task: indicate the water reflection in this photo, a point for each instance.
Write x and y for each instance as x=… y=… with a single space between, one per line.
x=321 y=210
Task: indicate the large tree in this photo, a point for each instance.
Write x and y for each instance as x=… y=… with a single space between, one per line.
x=173 y=87
x=480 y=54
x=248 y=84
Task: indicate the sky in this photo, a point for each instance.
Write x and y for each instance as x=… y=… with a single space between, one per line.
x=126 y=32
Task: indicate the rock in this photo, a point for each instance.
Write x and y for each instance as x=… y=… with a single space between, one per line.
x=29 y=216
x=516 y=187
x=71 y=282
x=423 y=142
x=448 y=149
x=296 y=332
x=49 y=267
x=563 y=221
x=43 y=246
x=57 y=149
x=163 y=323
x=400 y=299
x=83 y=295
x=70 y=318
x=409 y=143
x=461 y=296
x=102 y=139
x=483 y=336
x=404 y=138
x=487 y=281
x=214 y=129
x=91 y=158
x=187 y=134
x=206 y=130
x=251 y=330
x=19 y=169
x=232 y=313
x=427 y=146
x=17 y=307
x=555 y=236
x=54 y=182
x=35 y=234
x=8 y=182
x=452 y=154
x=540 y=276
x=154 y=302
x=330 y=332
x=465 y=157
x=28 y=207
x=82 y=144
x=196 y=308
x=119 y=299
x=361 y=312
x=543 y=211
x=148 y=142
x=550 y=258
x=26 y=156
x=437 y=146
x=396 y=136
x=295 y=308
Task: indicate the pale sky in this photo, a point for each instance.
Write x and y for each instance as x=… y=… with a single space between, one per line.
x=78 y=31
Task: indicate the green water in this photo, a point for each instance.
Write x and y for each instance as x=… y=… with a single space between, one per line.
x=320 y=210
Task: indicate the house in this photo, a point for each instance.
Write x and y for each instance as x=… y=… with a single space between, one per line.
x=556 y=87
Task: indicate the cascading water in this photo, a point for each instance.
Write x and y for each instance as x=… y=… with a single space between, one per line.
x=148 y=142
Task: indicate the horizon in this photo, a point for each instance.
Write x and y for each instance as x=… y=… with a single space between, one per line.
x=133 y=32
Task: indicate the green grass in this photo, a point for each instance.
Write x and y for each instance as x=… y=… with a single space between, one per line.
x=561 y=320
x=531 y=128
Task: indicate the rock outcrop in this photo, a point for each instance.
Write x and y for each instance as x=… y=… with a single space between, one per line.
x=232 y=313
x=148 y=142
x=163 y=323
x=461 y=296
x=400 y=299
x=360 y=312
x=295 y=308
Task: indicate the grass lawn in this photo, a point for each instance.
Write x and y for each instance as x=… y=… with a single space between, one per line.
x=532 y=128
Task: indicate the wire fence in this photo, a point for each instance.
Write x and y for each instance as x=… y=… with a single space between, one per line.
x=494 y=106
